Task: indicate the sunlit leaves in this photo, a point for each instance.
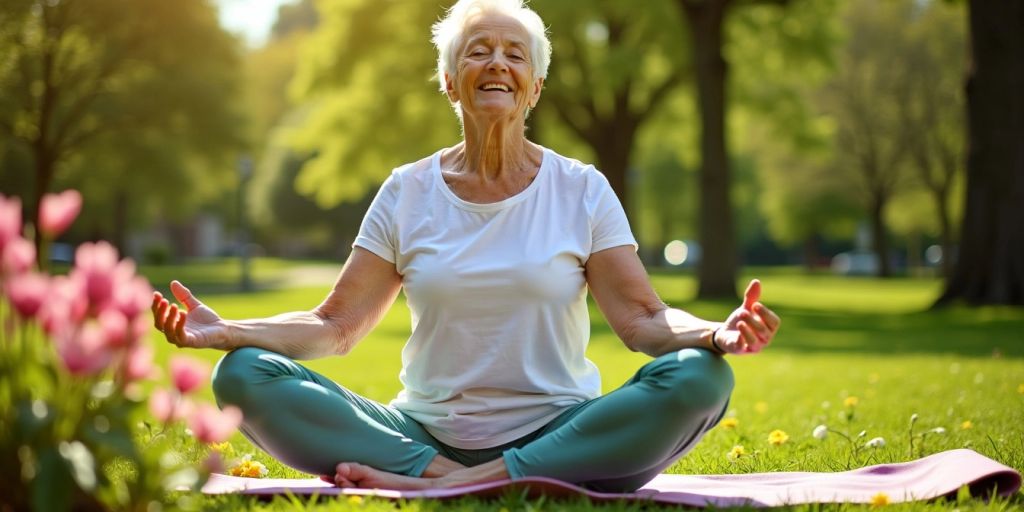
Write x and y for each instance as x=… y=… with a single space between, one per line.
x=365 y=76
x=126 y=100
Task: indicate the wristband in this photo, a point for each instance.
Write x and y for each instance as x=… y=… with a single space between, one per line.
x=714 y=343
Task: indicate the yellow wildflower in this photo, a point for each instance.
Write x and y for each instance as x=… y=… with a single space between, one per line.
x=248 y=468
x=730 y=423
x=851 y=401
x=761 y=407
x=355 y=500
x=879 y=500
x=777 y=437
x=1020 y=389
x=967 y=425
x=736 y=452
x=221 y=448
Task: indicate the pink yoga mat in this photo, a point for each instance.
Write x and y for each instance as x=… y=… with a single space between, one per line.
x=934 y=476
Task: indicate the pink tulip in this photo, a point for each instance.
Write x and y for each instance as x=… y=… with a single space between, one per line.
x=210 y=425
x=161 y=405
x=10 y=220
x=27 y=292
x=83 y=350
x=58 y=211
x=18 y=256
x=188 y=374
x=138 y=363
x=133 y=296
x=96 y=264
x=138 y=329
x=166 y=406
x=66 y=306
x=115 y=328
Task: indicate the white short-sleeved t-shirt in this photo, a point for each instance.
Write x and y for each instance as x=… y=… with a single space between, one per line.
x=498 y=296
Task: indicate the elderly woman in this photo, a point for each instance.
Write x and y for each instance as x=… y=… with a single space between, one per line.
x=495 y=241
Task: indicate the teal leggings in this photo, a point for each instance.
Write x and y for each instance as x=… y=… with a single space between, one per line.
x=614 y=443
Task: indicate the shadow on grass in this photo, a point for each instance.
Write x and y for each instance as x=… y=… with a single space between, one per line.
x=968 y=333
x=983 y=332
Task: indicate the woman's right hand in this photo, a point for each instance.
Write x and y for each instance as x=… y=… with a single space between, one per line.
x=197 y=326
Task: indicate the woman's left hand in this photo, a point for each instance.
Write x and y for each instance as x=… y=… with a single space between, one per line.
x=751 y=327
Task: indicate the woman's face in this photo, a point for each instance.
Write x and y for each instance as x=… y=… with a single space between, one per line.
x=494 y=76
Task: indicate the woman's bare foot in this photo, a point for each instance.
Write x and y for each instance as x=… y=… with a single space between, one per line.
x=353 y=475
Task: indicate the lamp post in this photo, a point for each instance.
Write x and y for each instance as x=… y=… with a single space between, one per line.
x=244 y=173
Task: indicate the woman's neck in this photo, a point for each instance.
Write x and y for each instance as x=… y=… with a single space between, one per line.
x=494 y=151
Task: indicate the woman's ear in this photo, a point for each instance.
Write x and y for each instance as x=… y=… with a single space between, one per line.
x=538 y=86
x=449 y=88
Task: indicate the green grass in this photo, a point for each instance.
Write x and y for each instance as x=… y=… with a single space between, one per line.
x=869 y=338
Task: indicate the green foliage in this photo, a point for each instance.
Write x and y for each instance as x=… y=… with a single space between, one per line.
x=369 y=105
x=864 y=100
x=932 y=111
x=870 y=124
x=664 y=213
x=268 y=71
x=781 y=56
x=613 y=69
x=132 y=102
x=364 y=79
x=285 y=217
x=778 y=55
x=608 y=57
x=295 y=17
x=282 y=216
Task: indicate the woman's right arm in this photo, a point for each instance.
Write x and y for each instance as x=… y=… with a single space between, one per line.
x=365 y=289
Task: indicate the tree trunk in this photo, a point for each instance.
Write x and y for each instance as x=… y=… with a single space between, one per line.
x=717 y=271
x=43 y=152
x=879 y=240
x=945 y=233
x=613 y=161
x=811 y=253
x=914 y=260
x=44 y=164
x=990 y=266
x=121 y=222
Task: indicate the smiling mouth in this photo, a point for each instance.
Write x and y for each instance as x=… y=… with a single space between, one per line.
x=493 y=86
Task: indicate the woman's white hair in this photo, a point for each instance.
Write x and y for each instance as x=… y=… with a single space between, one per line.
x=449 y=33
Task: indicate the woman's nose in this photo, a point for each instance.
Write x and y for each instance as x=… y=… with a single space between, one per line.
x=498 y=62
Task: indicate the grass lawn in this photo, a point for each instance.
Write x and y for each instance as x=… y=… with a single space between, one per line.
x=959 y=369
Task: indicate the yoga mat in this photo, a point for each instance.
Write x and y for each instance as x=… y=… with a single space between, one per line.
x=941 y=474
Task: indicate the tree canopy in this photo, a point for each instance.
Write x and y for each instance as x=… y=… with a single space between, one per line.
x=130 y=101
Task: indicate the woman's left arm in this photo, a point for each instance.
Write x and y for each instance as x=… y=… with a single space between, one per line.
x=620 y=286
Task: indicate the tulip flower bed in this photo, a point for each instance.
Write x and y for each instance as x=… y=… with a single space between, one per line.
x=76 y=362
x=860 y=374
